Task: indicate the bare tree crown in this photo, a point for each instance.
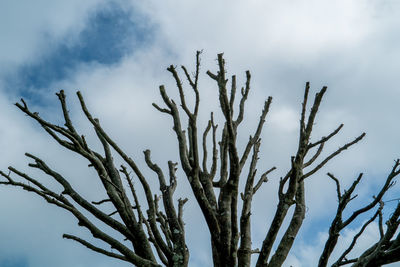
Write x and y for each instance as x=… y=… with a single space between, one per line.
x=156 y=236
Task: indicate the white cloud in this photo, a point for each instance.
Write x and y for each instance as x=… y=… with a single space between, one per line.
x=262 y=28
x=308 y=255
x=30 y=30
x=349 y=45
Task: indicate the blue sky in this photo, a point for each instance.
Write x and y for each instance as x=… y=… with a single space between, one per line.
x=110 y=34
x=14 y=262
x=116 y=53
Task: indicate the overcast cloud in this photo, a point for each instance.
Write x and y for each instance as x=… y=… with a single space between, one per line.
x=116 y=53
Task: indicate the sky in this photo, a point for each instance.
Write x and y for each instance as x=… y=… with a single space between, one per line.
x=116 y=53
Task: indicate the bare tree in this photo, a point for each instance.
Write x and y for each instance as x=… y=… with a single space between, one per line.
x=157 y=237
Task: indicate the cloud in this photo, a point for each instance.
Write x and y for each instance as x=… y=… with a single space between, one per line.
x=308 y=255
x=351 y=46
x=30 y=31
x=288 y=29
x=110 y=33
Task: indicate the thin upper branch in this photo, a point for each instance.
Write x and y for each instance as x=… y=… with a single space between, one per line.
x=95 y=248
